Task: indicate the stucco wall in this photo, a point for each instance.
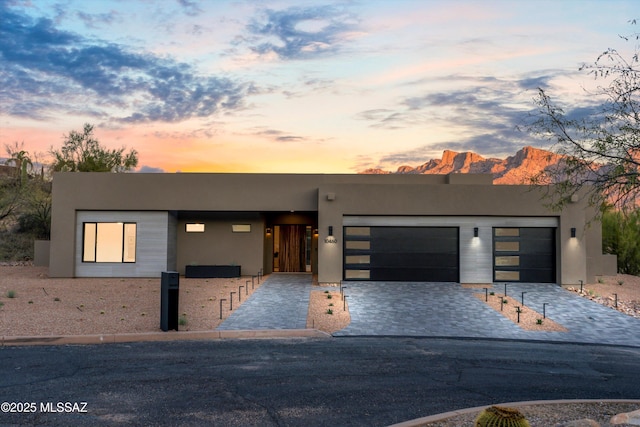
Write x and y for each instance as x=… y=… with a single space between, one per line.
x=408 y=195
x=219 y=245
x=446 y=200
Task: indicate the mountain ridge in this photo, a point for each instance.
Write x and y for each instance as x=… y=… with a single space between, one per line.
x=517 y=169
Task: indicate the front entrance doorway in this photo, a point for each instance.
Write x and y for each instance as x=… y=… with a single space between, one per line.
x=292 y=248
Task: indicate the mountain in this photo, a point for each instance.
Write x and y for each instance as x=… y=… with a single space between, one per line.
x=516 y=169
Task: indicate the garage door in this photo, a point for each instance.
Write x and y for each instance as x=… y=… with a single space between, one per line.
x=524 y=255
x=428 y=254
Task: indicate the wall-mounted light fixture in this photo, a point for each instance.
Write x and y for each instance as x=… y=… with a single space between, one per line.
x=573 y=232
x=475 y=231
x=330 y=238
x=268 y=230
x=315 y=231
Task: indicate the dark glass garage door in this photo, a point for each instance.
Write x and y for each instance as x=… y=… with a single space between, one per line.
x=414 y=254
x=524 y=255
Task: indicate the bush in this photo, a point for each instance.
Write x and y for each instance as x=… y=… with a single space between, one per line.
x=621 y=236
x=16 y=247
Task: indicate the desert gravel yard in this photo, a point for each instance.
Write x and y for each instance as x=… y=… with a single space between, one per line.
x=32 y=304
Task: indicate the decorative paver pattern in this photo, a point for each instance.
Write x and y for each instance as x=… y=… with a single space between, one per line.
x=281 y=302
x=435 y=310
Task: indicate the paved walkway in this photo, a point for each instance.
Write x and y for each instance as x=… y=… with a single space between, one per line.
x=434 y=310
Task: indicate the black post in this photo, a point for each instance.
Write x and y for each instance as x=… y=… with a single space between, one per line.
x=501 y=303
x=505 y=289
x=581 y=286
x=522 y=299
x=344 y=304
x=221 y=299
x=231 y=301
x=169 y=295
x=253 y=277
x=518 y=311
x=544 y=310
x=616 y=301
x=240 y=293
x=246 y=288
x=343 y=288
x=486 y=294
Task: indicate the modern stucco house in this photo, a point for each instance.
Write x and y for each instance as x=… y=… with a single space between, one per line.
x=453 y=228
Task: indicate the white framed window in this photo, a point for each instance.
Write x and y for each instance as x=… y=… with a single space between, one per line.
x=109 y=242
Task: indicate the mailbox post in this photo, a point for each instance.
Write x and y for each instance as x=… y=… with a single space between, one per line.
x=169 y=291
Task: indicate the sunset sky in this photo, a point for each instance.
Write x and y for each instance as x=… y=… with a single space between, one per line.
x=295 y=86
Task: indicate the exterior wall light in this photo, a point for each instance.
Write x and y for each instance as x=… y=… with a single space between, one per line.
x=330 y=238
x=573 y=232
x=268 y=230
x=475 y=231
x=315 y=231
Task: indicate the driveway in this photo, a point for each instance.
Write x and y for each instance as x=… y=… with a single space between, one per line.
x=421 y=309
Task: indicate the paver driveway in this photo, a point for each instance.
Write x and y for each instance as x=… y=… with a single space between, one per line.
x=434 y=310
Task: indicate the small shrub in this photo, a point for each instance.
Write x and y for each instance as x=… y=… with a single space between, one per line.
x=492 y=293
x=11 y=294
x=30 y=302
x=124 y=306
x=329 y=311
x=600 y=280
x=538 y=321
x=620 y=282
x=101 y=311
x=56 y=299
x=1 y=304
x=330 y=304
x=143 y=314
x=182 y=321
x=329 y=296
x=505 y=301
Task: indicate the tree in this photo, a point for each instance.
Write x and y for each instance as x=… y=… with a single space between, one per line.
x=20 y=159
x=81 y=152
x=621 y=236
x=601 y=150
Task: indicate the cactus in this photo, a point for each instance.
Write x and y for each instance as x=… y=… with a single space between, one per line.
x=497 y=416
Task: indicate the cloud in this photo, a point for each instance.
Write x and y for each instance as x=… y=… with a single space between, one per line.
x=38 y=61
x=190 y=7
x=298 y=32
x=150 y=169
x=487 y=111
x=92 y=20
x=278 y=136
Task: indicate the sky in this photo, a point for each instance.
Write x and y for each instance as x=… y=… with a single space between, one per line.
x=296 y=86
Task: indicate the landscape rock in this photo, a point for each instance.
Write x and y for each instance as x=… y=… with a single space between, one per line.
x=631 y=418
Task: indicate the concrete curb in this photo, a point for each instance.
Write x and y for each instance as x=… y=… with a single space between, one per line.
x=418 y=422
x=161 y=336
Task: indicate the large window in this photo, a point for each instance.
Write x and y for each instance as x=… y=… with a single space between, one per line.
x=109 y=242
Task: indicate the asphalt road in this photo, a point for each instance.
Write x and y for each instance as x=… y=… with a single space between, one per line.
x=299 y=382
